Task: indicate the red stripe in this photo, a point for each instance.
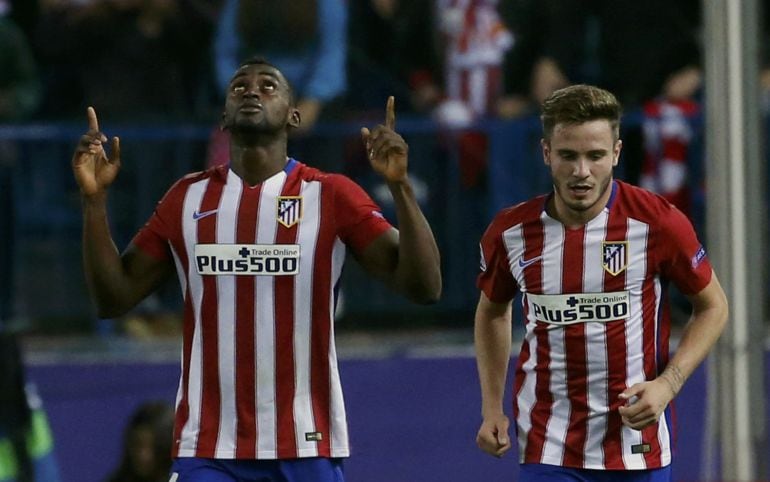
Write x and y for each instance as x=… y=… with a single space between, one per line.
x=320 y=337
x=617 y=353
x=210 y=397
x=541 y=410
x=575 y=353
x=284 y=343
x=245 y=362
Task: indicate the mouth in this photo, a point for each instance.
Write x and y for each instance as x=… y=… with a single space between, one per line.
x=250 y=108
x=580 y=190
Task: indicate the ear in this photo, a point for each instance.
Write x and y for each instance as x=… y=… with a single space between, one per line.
x=616 y=152
x=294 y=118
x=546 y=146
x=222 y=125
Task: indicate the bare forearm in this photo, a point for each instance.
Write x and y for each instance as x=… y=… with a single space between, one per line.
x=699 y=336
x=418 y=271
x=492 y=337
x=101 y=259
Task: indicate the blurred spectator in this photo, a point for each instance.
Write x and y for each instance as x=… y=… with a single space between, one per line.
x=641 y=51
x=144 y=57
x=668 y=134
x=147 y=441
x=631 y=48
x=305 y=39
x=19 y=82
x=393 y=50
x=475 y=40
x=26 y=445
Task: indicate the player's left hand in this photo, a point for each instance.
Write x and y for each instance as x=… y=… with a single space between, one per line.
x=386 y=149
x=645 y=403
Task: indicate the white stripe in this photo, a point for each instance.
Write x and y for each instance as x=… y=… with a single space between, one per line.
x=338 y=423
x=635 y=273
x=307 y=238
x=477 y=85
x=513 y=240
x=189 y=434
x=264 y=314
x=227 y=221
x=596 y=346
x=558 y=422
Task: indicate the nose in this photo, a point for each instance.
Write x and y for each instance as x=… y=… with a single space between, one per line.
x=582 y=168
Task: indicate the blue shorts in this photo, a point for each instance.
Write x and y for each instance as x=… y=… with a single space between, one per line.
x=312 y=469
x=555 y=473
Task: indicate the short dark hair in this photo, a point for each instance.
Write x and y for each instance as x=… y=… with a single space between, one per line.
x=263 y=61
x=577 y=104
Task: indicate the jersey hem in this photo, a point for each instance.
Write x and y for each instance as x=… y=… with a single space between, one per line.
x=558 y=462
x=269 y=455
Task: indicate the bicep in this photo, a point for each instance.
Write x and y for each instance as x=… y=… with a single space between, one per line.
x=145 y=272
x=710 y=297
x=380 y=257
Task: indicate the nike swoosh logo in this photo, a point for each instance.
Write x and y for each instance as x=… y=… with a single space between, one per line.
x=198 y=215
x=524 y=264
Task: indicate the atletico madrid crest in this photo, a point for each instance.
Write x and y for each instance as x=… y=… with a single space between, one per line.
x=614 y=256
x=289 y=210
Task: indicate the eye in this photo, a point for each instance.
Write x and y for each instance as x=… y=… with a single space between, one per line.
x=238 y=89
x=268 y=86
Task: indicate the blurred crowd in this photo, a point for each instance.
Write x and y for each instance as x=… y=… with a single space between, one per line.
x=456 y=61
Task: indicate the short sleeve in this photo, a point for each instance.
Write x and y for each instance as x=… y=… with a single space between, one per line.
x=154 y=237
x=684 y=260
x=359 y=219
x=495 y=278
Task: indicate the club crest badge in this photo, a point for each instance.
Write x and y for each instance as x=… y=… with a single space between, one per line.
x=614 y=256
x=289 y=210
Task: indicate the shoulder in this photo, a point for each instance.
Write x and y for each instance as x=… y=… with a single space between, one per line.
x=521 y=213
x=638 y=203
x=334 y=181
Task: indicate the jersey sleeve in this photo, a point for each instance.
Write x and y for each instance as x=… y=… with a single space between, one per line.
x=495 y=278
x=684 y=259
x=359 y=219
x=154 y=237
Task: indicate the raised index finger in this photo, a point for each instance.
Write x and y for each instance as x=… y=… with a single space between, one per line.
x=390 y=113
x=93 y=123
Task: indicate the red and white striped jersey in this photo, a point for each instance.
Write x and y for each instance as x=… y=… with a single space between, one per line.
x=597 y=321
x=259 y=267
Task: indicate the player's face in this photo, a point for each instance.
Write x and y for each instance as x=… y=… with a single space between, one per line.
x=581 y=158
x=259 y=100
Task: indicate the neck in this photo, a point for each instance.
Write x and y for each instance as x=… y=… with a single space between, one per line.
x=575 y=218
x=255 y=159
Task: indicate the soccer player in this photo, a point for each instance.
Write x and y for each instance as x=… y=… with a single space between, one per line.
x=258 y=247
x=591 y=260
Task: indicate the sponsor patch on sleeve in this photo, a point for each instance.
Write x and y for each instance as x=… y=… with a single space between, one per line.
x=482 y=261
x=697 y=259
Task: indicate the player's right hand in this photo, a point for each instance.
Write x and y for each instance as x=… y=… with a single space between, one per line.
x=493 y=435
x=94 y=171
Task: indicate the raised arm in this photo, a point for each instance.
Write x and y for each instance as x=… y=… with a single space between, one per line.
x=408 y=258
x=117 y=283
x=492 y=336
x=709 y=318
